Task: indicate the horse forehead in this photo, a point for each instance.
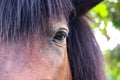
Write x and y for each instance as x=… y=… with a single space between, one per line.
x=19 y=55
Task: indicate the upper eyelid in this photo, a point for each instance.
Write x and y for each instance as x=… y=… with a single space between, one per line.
x=62 y=29
x=53 y=32
x=59 y=26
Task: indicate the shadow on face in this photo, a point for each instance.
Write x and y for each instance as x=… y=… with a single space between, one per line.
x=37 y=59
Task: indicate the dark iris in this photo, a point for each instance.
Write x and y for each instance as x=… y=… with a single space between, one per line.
x=60 y=36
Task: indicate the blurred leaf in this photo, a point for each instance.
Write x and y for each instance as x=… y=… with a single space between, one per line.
x=105 y=12
x=113 y=63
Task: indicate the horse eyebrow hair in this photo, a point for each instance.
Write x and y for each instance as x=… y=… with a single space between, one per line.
x=23 y=18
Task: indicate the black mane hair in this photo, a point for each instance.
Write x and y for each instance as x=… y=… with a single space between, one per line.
x=22 y=18
x=84 y=53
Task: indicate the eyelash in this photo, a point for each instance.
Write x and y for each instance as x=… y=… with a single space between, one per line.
x=60 y=36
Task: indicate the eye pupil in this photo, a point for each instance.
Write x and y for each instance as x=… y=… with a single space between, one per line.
x=60 y=36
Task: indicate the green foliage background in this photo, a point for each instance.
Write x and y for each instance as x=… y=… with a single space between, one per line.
x=109 y=11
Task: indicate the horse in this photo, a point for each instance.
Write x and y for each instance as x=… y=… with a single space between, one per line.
x=48 y=40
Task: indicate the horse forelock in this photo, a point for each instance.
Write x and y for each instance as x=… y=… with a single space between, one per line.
x=22 y=18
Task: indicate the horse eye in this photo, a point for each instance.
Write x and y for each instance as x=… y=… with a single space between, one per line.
x=60 y=36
